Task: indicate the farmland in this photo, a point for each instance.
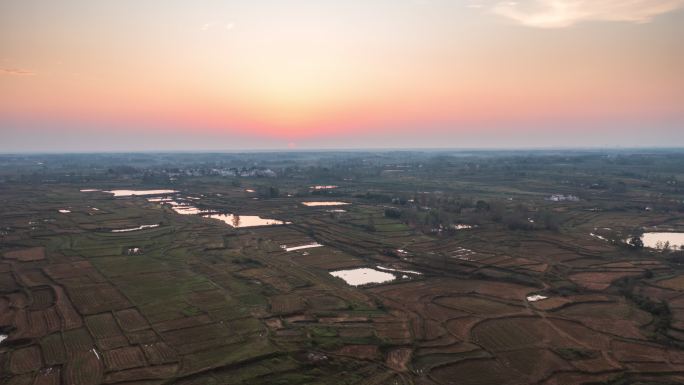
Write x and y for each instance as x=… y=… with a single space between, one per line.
x=496 y=276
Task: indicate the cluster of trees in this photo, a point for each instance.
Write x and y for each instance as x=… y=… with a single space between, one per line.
x=430 y=214
x=426 y=220
x=635 y=242
x=267 y=192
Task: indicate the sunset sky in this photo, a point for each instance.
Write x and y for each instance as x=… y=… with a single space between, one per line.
x=280 y=74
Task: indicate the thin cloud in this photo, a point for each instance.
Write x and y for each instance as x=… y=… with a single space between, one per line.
x=16 y=72
x=475 y=4
x=564 y=13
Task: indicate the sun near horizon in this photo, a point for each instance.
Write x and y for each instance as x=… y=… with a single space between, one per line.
x=264 y=74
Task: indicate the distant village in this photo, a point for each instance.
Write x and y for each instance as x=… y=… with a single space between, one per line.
x=563 y=198
x=226 y=172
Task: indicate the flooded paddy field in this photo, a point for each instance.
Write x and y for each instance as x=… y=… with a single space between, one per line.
x=442 y=271
x=663 y=240
x=128 y=193
x=324 y=204
x=363 y=276
x=239 y=221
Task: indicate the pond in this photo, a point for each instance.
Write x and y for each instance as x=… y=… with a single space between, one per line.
x=141 y=227
x=317 y=204
x=165 y=199
x=188 y=210
x=182 y=208
x=659 y=239
x=239 y=221
x=236 y=221
x=302 y=247
x=363 y=276
x=128 y=193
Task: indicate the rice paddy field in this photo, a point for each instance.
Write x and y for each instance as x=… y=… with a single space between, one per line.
x=452 y=268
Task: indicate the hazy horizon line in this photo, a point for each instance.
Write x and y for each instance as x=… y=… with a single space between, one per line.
x=357 y=149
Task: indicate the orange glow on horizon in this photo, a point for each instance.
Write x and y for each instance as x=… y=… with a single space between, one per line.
x=302 y=71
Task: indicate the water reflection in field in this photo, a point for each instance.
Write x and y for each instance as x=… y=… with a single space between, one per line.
x=128 y=193
x=238 y=221
x=141 y=227
x=302 y=247
x=317 y=204
x=363 y=276
x=658 y=240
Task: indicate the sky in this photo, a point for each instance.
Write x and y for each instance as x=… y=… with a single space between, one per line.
x=158 y=75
